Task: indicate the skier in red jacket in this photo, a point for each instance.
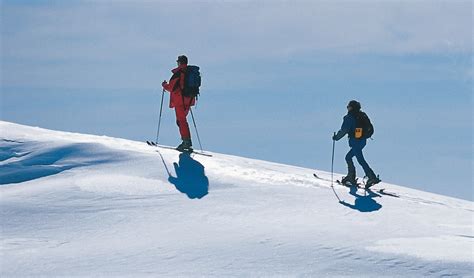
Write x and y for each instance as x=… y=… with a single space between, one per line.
x=181 y=104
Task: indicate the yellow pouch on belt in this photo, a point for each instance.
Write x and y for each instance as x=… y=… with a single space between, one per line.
x=358 y=133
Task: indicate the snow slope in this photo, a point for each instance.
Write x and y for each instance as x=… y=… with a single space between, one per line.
x=84 y=205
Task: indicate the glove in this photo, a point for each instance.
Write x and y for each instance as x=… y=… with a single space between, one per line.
x=334 y=137
x=164 y=84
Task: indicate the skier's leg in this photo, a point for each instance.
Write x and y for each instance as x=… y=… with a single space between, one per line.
x=350 y=163
x=181 y=121
x=360 y=158
x=351 y=171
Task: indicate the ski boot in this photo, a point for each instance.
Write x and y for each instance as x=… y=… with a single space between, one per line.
x=349 y=181
x=373 y=180
x=186 y=146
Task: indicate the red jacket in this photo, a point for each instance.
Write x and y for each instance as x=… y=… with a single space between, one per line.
x=175 y=87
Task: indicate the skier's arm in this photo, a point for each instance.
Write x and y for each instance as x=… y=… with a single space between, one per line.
x=169 y=86
x=343 y=131
x=172 y=83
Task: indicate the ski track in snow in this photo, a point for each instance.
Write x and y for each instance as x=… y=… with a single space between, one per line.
x=76 y=204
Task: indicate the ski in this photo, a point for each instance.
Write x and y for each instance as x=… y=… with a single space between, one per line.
x=376 y=190
x=319 y=178
x=190 y=151
x=390 y=194
x=358 y=185
x=153 y=144
x=381 y=191
x=150 y=143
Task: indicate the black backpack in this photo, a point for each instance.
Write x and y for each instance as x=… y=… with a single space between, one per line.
x=364 y=128
x=192 y=82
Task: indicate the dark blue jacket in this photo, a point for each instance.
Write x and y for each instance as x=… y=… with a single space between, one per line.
x=348 y=127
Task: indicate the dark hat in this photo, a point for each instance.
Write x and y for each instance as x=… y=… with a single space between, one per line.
x=182 y=59
x=354 y=104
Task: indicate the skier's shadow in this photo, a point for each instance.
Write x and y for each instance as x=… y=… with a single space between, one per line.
x=363 y=203
x=190 y=177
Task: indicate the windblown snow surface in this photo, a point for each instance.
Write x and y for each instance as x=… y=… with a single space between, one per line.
x=84 y=205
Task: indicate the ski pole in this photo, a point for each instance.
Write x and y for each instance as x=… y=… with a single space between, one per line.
x=332 y=160
x=195 y=127
x=332 y=170
x=159 y=119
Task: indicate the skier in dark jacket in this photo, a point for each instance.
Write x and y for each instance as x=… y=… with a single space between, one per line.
x=182 y=104
x=356 y=145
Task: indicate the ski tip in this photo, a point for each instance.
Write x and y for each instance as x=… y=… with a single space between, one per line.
x=204 y=154
x=150 y=143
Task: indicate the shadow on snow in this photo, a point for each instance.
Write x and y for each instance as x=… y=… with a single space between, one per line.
x=190 y=177
x=31 y=165
x=363 y=203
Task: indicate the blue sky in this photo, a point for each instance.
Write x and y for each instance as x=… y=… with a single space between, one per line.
x=276 y=77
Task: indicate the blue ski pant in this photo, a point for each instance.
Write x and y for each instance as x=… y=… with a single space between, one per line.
x=356 y=150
